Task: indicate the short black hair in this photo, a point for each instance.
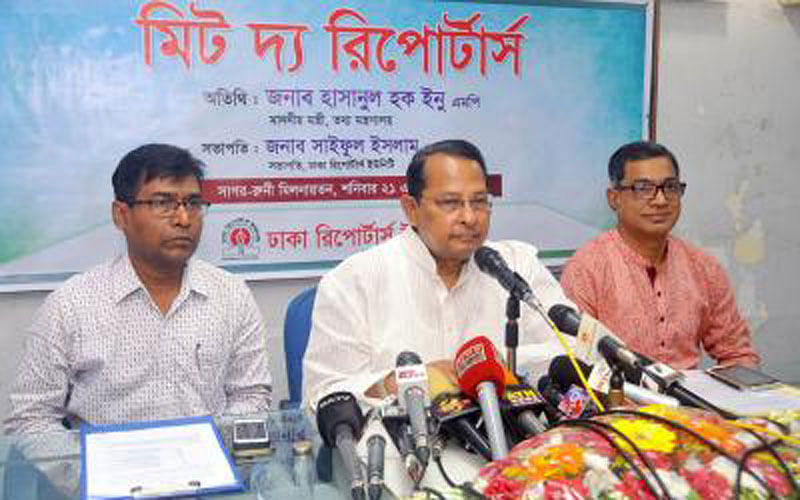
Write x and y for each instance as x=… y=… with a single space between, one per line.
x=151 y=161
x=634 y=151
x=415 y=174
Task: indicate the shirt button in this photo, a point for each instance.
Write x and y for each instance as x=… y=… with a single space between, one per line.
x=658 y=294
x=661 y=319
x=662 y=343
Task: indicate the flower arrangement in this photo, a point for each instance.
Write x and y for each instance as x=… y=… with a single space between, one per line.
x=687 y=453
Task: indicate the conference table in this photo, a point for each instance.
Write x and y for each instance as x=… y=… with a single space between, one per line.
x=47 y=466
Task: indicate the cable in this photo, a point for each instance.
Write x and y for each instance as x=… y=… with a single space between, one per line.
x=437 y=449
x=769 y=447
x=470 y=492
x=738 y=485
x=638 y=451
x=430 y=491
x=450 y=483
x=571 y=356
x=694 y=434
x=591 y=426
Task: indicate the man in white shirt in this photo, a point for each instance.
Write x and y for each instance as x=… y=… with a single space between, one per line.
x=153 y=333
x=421 y=291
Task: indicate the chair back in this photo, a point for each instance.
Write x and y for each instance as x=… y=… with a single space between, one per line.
x=296 y=329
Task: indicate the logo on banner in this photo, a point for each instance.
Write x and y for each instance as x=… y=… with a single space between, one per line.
x=240 y=240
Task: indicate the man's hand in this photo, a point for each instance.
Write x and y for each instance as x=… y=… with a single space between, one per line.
x=441 y=376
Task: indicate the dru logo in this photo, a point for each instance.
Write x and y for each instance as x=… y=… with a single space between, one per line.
x=240 y=240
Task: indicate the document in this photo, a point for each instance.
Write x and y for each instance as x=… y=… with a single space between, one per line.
x=155 y=459
x=743 y=402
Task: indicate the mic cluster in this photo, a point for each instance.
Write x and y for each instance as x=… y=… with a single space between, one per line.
x=489 y=410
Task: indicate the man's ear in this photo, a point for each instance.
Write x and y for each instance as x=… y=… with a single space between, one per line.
x=119 y=214
x=410 y=208
x=612 y=196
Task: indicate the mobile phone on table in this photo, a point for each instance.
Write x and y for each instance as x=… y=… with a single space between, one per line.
x=250 y=434
x=743 y=377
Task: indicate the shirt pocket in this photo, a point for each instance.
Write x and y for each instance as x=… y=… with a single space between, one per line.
x=204 y=364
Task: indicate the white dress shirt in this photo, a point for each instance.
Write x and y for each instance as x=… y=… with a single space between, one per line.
x=103 y=340
x=389 y=299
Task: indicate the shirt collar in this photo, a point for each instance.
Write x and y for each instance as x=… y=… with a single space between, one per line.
x=631 y=255
x=126 y=281
x=420 y=253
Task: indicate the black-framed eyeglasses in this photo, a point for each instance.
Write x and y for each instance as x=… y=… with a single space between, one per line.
x=167 y=207
x=646 y=190
x=480 y=204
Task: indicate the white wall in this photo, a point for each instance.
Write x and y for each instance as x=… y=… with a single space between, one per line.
x=729 y=106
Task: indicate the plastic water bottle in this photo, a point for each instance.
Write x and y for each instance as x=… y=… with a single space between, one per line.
x=303 y=469
x=270 y=478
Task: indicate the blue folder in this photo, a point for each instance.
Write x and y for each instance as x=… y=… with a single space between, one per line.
x=191 y=489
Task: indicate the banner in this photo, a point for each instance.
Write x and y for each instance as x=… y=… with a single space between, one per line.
x=306 y=115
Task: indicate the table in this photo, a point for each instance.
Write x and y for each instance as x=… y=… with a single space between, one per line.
x=47 y=466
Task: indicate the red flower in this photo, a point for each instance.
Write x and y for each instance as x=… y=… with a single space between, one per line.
x=634 y=488
x=565 y=489
x=709 y=484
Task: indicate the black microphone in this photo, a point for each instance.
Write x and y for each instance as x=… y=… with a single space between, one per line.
x=395 y=421
x=455 y=412
x=412 y=392
x=551 y=395
x=564 y=377
x=492 y=263
x=613 y=350
x=340 y=424
x=521 y=404
x=376 y=445
x=564 y=373
x=598 y=339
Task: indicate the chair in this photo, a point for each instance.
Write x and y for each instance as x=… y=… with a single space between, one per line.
x=296 y=329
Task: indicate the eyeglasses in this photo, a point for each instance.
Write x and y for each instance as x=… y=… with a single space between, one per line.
x=167 y=207
x=646 y=190
x=480 y=204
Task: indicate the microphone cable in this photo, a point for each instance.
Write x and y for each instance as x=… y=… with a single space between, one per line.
x=768 y=447
x=697 y=436
x=739 y=470
x=596 y=426
x=437 y=447
x=573 y=360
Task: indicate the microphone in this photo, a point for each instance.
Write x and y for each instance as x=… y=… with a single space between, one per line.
x=376 y=445
x=522 y=403
x=612 y=349
x=551 y=395
x=492 y=263
x=564 y=373
x=454 y=412
x=595 y=344
x=481 y=376
x=412 y=391
x=340 y=423
x=395 y=421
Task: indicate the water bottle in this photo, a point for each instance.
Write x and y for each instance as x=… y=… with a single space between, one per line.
x=270 y=478
x=303 y=469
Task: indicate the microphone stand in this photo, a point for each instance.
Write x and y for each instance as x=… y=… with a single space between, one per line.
x=512 y=332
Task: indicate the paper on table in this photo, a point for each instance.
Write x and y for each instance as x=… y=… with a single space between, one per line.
x=155 y=460
x=741 y=402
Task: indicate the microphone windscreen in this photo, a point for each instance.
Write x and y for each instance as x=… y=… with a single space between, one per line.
x=566 y=319
x=563 y=374
x=338 y=408
x=477 y=361
x=406 y=358
x=489 y=260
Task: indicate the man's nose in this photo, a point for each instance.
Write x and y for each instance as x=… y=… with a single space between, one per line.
x=181 y=215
